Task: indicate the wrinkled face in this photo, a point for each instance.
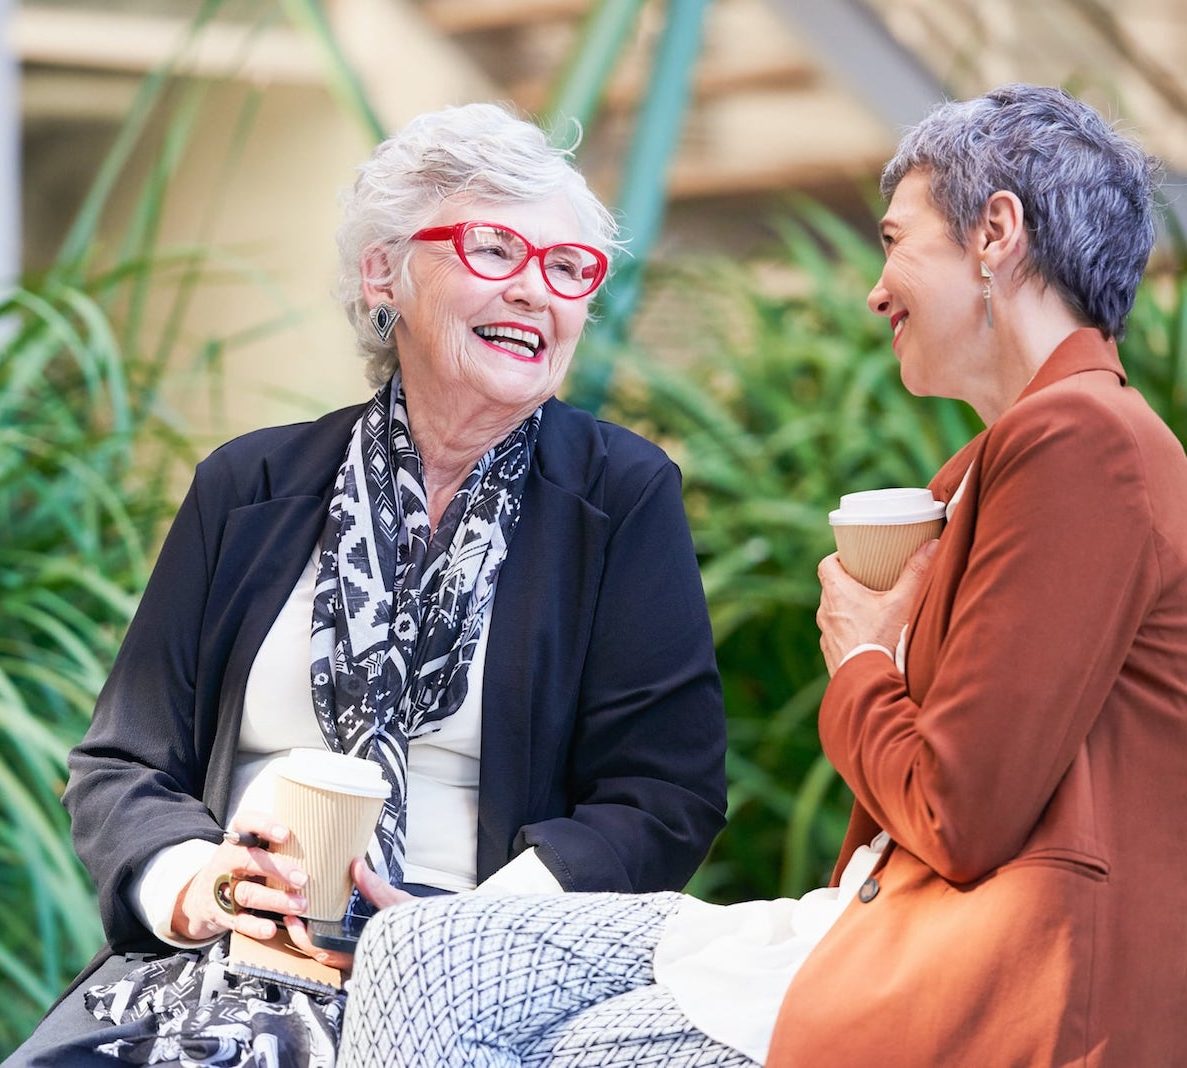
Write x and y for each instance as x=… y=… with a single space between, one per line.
x=930 y=291
x=504 y=345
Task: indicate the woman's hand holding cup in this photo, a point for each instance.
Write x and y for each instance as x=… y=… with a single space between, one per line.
x=381 y=894
x=330 y=802
x=851 y=614
x=885 y=544
x=229 y=889
x=298 y=864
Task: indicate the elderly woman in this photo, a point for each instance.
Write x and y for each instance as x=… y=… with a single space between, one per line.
x=1019 y=729
x=491 y=594
x=1012 y=716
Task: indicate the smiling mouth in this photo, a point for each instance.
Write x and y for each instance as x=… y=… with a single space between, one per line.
x=520 y=342
x=896 y=324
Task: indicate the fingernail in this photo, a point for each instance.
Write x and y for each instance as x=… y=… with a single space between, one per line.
x=279 y=833
x=297 y=904
x=297 y=878
x=323 y=957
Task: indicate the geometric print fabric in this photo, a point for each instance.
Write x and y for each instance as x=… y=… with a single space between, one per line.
x=190 y=1010
x=398 y=605
x=502 y=982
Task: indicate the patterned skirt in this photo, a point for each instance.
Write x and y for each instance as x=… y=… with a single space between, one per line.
x=193 y=1011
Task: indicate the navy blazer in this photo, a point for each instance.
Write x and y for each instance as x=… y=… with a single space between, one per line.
x=603 y=731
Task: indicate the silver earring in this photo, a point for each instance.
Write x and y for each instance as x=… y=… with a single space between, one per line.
x=987 y=293
x=384 y=317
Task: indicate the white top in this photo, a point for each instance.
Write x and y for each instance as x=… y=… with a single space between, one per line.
x=278 y=715
x=729 y=966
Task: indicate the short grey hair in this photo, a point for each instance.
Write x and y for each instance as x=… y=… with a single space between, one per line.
x=1087 y=191
x=475 y=152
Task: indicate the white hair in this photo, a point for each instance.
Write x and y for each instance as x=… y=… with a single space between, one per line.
x=477 y=151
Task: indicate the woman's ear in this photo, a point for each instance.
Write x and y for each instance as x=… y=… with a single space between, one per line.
x=375 y=264
x=1001 y=235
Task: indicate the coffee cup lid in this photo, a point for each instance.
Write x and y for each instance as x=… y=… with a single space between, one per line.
x=335 y=771
x=888 y=507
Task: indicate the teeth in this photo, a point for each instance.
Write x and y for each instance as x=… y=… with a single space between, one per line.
x=516 y=346
x=526 y=341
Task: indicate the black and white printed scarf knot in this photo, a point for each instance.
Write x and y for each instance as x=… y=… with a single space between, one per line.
x=397 y=606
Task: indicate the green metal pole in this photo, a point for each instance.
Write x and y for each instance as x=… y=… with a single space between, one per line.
x=580 y=85
x=657 y=134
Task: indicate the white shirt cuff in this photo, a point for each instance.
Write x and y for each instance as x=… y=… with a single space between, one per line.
x=525 y=874
x=154 y=891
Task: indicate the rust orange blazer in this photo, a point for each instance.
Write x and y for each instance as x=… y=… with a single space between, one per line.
x=1031 y=768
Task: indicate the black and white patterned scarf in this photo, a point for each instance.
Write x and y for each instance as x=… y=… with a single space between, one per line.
x=397 y=606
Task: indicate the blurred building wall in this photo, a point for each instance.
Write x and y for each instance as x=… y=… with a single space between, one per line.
x=9 y=157
x=266 y=201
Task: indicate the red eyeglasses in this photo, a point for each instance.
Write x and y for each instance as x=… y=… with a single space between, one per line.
x=497 y=252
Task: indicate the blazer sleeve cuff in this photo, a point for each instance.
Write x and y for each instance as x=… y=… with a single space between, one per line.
x=577 y=856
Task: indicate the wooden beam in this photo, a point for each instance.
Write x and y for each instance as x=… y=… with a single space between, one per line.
x=475 y=16
x=718 y=176
x=626 y=90
x=772 y=74
x=88 y=96
x=98 y=40
x=688 y=182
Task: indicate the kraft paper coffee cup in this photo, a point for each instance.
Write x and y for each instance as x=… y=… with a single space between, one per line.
x=877 y=531
x=330 y=803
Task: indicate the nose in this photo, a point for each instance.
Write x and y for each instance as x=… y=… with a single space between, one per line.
x=879 y=299
x=527 y=286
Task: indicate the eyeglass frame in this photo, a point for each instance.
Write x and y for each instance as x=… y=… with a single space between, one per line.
x=456 y=234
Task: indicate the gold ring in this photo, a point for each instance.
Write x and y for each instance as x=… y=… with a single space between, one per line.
x=224 y=893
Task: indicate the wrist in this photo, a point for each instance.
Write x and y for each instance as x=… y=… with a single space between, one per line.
x=181 y=925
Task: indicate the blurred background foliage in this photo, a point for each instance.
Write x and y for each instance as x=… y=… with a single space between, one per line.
x=777 y=405
x=91 y=457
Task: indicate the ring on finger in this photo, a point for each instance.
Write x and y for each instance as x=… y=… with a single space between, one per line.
x=224 y=893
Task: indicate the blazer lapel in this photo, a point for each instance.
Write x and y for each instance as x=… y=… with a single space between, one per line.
x=543 y=613
x=954 y=544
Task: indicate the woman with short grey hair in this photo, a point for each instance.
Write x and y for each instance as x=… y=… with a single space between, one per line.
x=1086 y=191
x=1011 y=716
x=488 y=593
x=1012 y=719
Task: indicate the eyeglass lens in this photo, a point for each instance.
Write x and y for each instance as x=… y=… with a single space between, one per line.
x=495 y=253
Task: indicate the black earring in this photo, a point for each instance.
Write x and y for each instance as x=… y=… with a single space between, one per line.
x=383 y=317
